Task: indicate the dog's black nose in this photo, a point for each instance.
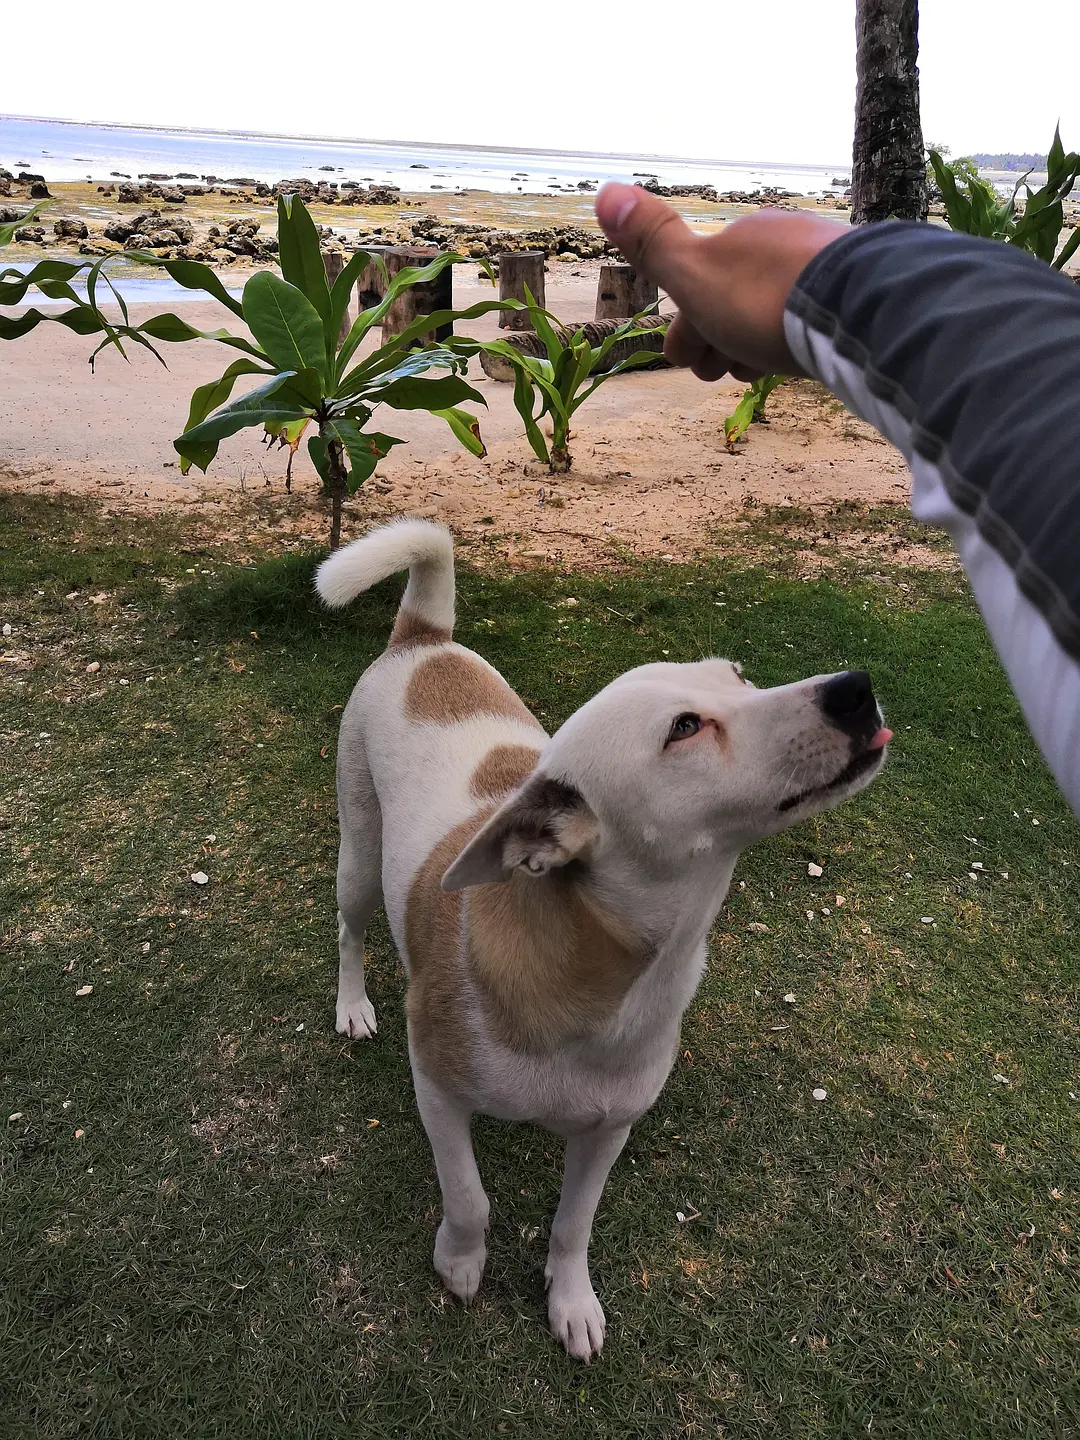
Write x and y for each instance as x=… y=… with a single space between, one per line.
x=848 y=702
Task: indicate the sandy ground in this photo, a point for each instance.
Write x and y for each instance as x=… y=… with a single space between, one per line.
x=651 y=472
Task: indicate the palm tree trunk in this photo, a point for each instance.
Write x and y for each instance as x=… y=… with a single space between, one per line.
x=337 y=487
x=888 y=174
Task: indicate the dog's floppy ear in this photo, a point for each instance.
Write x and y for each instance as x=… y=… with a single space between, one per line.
x=545 y=824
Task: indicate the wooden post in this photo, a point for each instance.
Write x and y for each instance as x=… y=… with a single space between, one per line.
x=518 y=269
x=596 y=331
x=371 y=287
x=622 y=292
x=437 y=294
x=334 y=263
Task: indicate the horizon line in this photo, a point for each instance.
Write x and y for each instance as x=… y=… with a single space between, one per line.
x=421 y=144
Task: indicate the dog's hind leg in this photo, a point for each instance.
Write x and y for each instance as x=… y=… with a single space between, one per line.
x=359 y=884
x=574 y=1311
x=460 y=1247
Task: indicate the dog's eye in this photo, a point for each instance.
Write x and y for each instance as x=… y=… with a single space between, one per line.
x=683 y=726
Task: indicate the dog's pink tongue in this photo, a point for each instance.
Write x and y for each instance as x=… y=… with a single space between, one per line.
x=880 y=740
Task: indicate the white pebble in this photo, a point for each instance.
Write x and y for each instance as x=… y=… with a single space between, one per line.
x=926 y=920
x=820 y=1094
x=93 y=667
x=789 y=998
x=85 y=990
x=814 y=870
x=16 y=1116
x=7 y=629
x=200 y=877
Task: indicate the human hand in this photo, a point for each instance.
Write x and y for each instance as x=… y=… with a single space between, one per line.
x=731 y=287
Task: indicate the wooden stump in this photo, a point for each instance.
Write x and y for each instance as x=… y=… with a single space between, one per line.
x=334 y=263
x=437 y=294
x=622 y=292
x=596 y=331
x=370 y=286
x=518 y=269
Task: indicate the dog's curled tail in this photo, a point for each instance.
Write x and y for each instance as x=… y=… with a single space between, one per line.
x=426 y=550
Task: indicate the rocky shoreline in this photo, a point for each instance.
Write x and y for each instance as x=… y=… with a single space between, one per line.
x=152 y=215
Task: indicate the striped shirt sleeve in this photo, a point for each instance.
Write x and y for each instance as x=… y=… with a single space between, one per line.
x=965 y=353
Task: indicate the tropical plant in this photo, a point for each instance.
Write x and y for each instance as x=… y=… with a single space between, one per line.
x=751 y=408
x=975 y=207
x=311 y=377
x=962 y=168
x=562 y=379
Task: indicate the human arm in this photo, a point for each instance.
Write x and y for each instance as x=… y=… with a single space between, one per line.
x=966 y=355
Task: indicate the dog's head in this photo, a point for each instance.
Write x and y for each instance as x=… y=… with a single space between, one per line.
x=670 y=761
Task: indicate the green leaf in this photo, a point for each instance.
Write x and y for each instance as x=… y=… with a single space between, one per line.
x=467 y=429
x=285 y=323
x=438 y=318
x=957 y=207
x=340 y=295
x=15 y=283
x=738 y=422
x=412 y=393
x=631 y=330
x=317 y=450
x=1055 y=160
x=81 y=320
x=365 y=448
x=632 y=362
x=300 y=255
x=171 y=328
x=1068 y=250
x=207 y=398
x=389 y=362
x=7 y=230
x=273 y=401
x=192 y=275
x=410 y=275
x=1037 y=231
x=524 y=393
x=538 y=317
x=751 y=407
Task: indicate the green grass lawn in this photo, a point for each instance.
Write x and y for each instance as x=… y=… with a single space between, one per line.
x=216 y=1217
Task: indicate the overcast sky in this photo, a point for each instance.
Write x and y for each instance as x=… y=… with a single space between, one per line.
x=754 y=80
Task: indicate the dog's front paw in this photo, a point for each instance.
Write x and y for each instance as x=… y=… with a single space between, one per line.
x=576 y=1318
x=356 y=1019
x=460 y=1266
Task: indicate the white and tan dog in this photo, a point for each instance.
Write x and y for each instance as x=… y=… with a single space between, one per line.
x=550 y=897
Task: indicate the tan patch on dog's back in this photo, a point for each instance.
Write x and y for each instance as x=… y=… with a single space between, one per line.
x=550 y=964
x=545 y=963
x=412 y=629
x=451 y=686
x=502 y=769
x=437 y=1000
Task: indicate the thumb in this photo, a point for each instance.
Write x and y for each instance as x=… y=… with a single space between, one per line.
x=653 y=237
